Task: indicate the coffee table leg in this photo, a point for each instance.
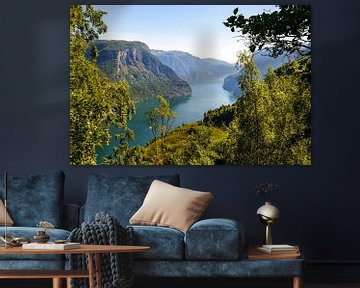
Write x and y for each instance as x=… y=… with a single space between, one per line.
x=297 y=282
x=68 y=282
x=91 y=270
x=98 y=270
x=57 y=283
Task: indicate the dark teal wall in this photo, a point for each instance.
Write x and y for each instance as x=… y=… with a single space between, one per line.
x=318 y=204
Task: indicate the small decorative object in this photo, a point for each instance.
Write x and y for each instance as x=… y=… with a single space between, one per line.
x=60 y=241
x=268 y=213
x=11 y=241
x=41 y=236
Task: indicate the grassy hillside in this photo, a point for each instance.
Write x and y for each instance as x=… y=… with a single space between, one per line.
x=190 y=144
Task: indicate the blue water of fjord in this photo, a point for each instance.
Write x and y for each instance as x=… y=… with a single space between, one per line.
x=205 y=96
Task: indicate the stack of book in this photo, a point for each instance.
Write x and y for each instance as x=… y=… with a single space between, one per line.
x=274 y=252
x=279 y=249
x=51 y=246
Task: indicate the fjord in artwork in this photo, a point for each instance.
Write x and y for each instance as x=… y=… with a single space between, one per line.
x=190 y=85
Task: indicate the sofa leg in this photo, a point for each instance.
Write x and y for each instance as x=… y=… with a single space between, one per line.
x=57 y=283
x=297 y=282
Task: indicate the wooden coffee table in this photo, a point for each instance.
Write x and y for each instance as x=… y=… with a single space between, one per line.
x=94 y=267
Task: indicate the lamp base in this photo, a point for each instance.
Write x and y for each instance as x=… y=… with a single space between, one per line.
x=268 y=237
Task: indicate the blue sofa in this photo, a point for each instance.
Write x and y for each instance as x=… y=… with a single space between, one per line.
x=32 y=199
x=210 y=248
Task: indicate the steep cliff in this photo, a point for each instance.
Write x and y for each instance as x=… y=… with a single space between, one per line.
x=146 y=75
x=231 y=84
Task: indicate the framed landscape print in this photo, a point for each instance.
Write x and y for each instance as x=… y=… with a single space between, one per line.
x=190 y=85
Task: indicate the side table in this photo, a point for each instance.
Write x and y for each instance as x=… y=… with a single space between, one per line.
x=289 y=259
x=94 y=268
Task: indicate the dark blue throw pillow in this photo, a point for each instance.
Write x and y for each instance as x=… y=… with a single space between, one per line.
x=120 y=196
x=35 y=198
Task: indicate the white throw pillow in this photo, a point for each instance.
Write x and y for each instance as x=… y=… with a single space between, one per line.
x=170 y=206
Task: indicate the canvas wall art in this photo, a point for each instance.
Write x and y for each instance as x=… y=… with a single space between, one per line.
x=190 y=85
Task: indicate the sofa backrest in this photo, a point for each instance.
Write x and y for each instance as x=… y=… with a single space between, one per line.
x=70 y=219
x=35 y=198
x=120 y=196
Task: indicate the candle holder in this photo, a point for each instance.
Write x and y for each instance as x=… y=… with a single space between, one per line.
x=41 y=237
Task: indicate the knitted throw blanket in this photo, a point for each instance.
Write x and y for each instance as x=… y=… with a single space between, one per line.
x=116 y=268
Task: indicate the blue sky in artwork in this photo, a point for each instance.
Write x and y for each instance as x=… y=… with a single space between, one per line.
x=196 y=29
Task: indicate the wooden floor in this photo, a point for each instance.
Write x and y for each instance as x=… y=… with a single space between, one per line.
x=45 y=283
x=339 y=285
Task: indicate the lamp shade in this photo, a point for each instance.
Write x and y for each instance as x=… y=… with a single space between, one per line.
x=268 y=211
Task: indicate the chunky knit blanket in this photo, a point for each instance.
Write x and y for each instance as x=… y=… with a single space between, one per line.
x=116 y=268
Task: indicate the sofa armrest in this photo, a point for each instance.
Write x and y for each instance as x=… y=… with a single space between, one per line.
x=71 y=216
x=215 y=239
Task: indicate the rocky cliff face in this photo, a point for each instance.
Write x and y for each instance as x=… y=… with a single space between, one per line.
x=194 y=69
x=231 y=84
x=146 y=75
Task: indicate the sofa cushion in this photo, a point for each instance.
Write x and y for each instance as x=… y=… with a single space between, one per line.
x=35 y=198
x=214 y=239
x=170 y=206
x=120 y=196
x=29 y=232
x=9 y=221
x=165 y=243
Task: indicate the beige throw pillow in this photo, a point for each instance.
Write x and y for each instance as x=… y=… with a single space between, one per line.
x=9 y=221
x=170 y=206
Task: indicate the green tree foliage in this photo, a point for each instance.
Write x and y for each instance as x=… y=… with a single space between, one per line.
x=272 y=125
x=220 y=117
x=95 y=102
x=285 y=31
x=200 y=148
x=124 y=154
x=160 y=118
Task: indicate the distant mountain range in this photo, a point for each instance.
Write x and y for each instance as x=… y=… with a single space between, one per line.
x=262 y=62
x=168 y=73
x=194 y=69
x=146 y=75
